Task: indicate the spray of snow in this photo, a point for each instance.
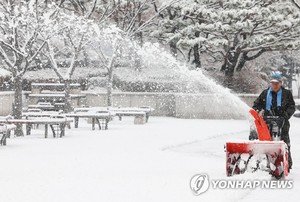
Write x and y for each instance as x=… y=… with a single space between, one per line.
x=157 y=64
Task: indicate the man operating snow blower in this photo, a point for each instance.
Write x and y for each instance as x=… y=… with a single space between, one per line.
x=276 y=104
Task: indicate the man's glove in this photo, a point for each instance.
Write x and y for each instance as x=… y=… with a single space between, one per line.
x=283 y=113
x=260 y=112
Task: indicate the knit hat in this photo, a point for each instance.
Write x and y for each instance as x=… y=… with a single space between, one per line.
x=276 y=78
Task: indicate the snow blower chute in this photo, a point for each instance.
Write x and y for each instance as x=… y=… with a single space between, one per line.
x=267 y=153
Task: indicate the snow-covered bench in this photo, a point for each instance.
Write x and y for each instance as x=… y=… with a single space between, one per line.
x=5 y=131
x=42 y=106
x=96 y=116
x=57 y=125
x=139 y=117
x=141 y=114
x=36 y=114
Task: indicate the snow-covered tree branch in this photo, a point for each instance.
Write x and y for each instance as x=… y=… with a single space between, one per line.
x=70 y=33
x=112 y=38
x=232 y=31
x=21 y=25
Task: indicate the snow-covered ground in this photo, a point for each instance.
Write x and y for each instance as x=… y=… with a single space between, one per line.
x=152 y=162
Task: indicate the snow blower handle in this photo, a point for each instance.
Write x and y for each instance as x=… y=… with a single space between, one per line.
x=261 y=126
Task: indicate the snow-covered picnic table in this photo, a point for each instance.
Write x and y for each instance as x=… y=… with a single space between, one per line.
x=96 y=116
x=141 y=114
x=60 y=123
x=42 y=114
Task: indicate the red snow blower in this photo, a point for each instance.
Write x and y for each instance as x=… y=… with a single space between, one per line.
x=267 y=153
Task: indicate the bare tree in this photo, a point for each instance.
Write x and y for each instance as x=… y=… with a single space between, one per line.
x=114 y=40
x=72 y=33
x=20 y=43
x=131 y=16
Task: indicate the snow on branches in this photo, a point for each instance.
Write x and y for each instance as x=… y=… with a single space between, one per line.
x=234 y=31
x=70 y=34
x=21 y=26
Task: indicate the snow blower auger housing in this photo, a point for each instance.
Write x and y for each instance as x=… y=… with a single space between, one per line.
x=262 y=154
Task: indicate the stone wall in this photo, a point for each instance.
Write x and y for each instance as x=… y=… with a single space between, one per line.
x=6 y=102
x=204 y=106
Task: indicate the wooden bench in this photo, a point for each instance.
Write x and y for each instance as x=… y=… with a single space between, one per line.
x=52 y=122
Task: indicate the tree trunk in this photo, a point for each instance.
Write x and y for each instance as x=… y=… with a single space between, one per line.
x=17 y=106
x=173 y=44
x=197 y=56
x=189 y=55
x=67 y=107
x=137 y=60
x=173 y=48
x=110 y=87
x=228 y=68
x=229 y=71
x=231 y=60
x=110 y=71
x=197 y=53
x=241 y=62
x=140 y=34
x=228 y=81
x=85 y=58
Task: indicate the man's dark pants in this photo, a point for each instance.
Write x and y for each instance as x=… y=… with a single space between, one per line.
x=285 y=136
